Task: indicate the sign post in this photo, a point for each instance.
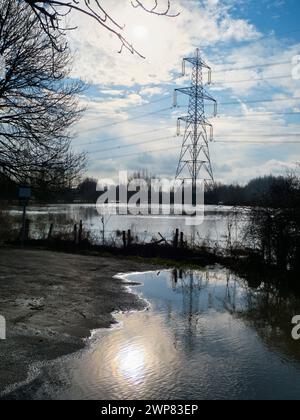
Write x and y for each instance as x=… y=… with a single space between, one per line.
x=24 y=197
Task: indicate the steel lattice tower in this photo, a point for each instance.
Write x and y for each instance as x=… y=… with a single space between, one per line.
x=195 y=157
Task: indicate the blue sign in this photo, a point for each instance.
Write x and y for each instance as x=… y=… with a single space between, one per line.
x=24 y=193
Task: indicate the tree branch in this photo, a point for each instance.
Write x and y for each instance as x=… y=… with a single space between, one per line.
x=49 y=14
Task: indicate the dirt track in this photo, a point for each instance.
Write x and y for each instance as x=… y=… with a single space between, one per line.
x=51 y=302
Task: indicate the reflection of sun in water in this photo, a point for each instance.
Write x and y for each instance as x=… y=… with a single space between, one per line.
x=139 y=32
x=131 y=362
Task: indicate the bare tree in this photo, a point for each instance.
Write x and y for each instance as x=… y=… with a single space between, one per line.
x=273 y=228
x=51 y=14
x=37 y=105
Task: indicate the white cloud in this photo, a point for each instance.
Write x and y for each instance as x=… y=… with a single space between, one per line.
x=269 y=167
x=150 y=91
x=125 y=82
x=162 y=40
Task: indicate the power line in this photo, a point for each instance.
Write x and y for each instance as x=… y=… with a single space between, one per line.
x=262 y=101
x=254 y=101
x=218 y=82
x=259 y=142
x=170 y=137
x=156 y=130
x=118 y=137
x=177 y=147
x=279 y=63
x=139 y=106
x=252 y=80
x=243 y=116
x=260 y=114
x=136 y=153
x=180 y=106
x=131 y=144
x=128 y=119
x=152 y=102
x=135 y=107
x=262 y=135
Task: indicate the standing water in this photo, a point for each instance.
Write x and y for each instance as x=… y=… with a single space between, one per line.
x=205 y=335
x=214 y=226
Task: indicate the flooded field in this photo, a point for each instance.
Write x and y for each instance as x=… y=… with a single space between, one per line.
x=206 y=334
x=213 y=229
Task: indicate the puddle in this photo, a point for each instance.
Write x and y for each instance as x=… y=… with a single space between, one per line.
x=205 y=335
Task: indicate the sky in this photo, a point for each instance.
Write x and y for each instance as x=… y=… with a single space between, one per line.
x=253 y=48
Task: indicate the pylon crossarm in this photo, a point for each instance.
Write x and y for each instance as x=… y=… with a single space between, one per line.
x=185 y=91
x=196 y=61
x=211 y=129
x=207 y=96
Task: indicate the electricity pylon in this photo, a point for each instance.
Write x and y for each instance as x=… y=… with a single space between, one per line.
x=195 y=157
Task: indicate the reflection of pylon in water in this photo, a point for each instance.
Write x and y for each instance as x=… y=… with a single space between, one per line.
x=230 y=298
x=194 y=162
x=190 y=285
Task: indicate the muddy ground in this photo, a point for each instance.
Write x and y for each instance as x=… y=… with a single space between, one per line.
x=52 y=301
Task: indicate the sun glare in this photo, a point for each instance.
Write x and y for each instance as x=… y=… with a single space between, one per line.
x=131 y=362
x=140 y=32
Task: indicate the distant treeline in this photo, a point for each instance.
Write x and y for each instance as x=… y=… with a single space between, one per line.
x=256 y=192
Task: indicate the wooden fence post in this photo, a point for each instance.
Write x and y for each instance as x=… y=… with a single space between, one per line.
x=181 y=240
x=80 y=232
x=129 y=238
x=50 y=232
x=124 y=239
x=176 y=238
x=75 y=234
x=27 y=229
